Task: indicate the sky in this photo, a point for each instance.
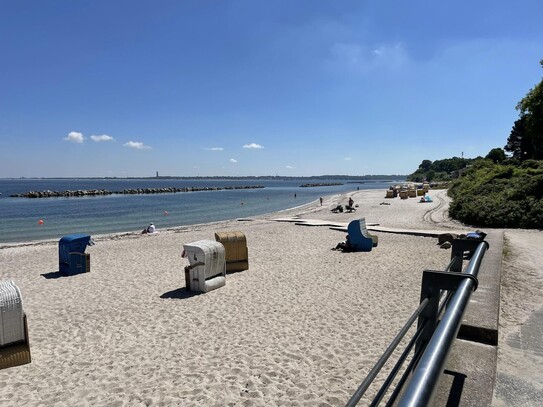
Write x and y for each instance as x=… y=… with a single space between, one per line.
x=253 y=87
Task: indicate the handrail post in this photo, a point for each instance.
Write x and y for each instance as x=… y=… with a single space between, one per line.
x=432 y=284
x=459 y=247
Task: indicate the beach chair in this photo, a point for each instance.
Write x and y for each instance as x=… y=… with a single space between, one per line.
x=359 y=238
x=14 y=343
x=72 y=258
x=235 y=250
x=207 y=270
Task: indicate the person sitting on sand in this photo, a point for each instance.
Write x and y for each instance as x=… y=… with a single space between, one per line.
x=149 y=229
x=344 y=246
x=337 y=209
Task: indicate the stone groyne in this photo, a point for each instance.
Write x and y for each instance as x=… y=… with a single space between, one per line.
x=130 y=191
x=330 y=184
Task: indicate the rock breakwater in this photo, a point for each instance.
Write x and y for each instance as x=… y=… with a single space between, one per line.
x=131 y=191
x=329 y=184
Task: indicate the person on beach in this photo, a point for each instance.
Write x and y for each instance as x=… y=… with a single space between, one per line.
x=344 y=246
x=320 y=199
x=337 y=209
x=350 y=206
x=149 y=229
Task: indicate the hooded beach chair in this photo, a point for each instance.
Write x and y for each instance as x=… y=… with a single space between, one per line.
x=359 y=237
x=14 y=344
x=207 y=270
x=235 y=249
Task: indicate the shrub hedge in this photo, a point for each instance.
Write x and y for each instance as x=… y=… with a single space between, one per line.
x=499 y=195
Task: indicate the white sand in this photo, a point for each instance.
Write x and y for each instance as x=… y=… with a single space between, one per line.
x=302 y=327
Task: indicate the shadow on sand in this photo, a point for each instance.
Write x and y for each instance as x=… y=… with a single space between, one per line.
x=180 y=294
x=54 y=275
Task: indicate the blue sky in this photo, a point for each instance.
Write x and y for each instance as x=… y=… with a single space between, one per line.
x=300 y=88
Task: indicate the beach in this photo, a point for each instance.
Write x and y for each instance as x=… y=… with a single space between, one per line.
x=302 y=327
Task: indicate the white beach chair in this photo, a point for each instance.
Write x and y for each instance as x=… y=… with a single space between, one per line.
x=14 y=343
x=11 y=314
x=207 y=270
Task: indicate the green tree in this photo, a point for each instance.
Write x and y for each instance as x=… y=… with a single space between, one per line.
x=526 y=139
x=449 y=165
x=497 y=155
x=517 y=139
x=425 y=165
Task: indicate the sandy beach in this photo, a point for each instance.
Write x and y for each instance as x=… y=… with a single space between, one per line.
x=302 y=327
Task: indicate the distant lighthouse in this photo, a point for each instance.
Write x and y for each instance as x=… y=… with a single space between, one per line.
x=157 y=174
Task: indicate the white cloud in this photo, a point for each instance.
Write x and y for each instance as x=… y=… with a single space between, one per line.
x=75 y=137
x=214 y=149
x=253 y=145
x=233 y=160
x=103 y=137
x=347 y=158
x=137 y=145
x=290 y=167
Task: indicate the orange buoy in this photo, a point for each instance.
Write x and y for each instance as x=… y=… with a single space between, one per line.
x=40 y=222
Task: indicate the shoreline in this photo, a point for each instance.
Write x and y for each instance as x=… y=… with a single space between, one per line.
x=128 y=234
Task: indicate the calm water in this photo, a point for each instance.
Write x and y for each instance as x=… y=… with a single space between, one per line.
x=19 y=217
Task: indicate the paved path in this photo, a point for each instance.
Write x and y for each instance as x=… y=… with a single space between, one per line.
x=341 y=226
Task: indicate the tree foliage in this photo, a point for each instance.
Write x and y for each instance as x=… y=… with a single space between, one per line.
x=497 y=155
x=439 y=170
x=526 y=139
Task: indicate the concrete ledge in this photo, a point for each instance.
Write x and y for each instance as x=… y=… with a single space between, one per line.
x=469 y=377
x=480 y=323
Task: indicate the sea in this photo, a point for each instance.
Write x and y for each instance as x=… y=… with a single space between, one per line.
x=32 y=219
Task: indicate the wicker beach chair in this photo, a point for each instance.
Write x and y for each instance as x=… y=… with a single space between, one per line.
x=14 y=343
x=235 y=250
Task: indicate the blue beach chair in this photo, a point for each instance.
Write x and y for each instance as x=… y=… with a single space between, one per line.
x=71 y=254
x=359 y=238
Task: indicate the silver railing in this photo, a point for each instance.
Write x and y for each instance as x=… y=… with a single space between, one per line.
x=446 y=294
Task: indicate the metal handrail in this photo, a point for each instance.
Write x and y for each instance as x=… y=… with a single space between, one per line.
x=396 y=368
x=444 y=294
x=380 y=363
x=423 y=383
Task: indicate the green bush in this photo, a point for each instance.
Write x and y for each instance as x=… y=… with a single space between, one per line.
x=501 y=196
